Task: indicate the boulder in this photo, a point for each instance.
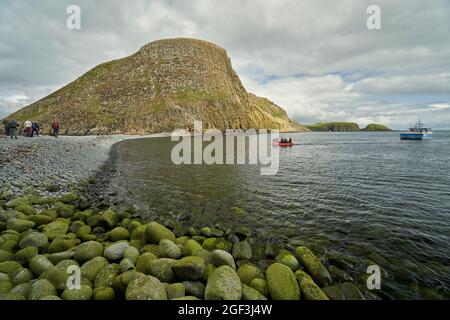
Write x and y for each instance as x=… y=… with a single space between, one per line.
x=260 y=285
x=334 y=293
x=107 y=276
x=19 y=225
x=223 y=284
x=282 y=283
x=248 y=293
x=119 y=233
x=311 y=291
x=88 y=250
x=146 y=288
x=189 y=268
x=39 y=264
x=103 y=293
x=156 y=232
x=34 y=239
x=195 y=288
x=175 y=290
x=315 y=268
x=132 y=254
x=242 y=250
x=248 y=272
x=162 y=269
x=222 y=258
x=24 y=256
x=351 y=292
x=169 y=249
x=190 y=247
x=56 y=229
x=83 y=293
x=115 y=251
x=40 y=289
x=143 y=262
x=90 y=269
x=288 y=259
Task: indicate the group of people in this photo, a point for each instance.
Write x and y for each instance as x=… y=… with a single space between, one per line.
x=284 y=140
x=30 y=128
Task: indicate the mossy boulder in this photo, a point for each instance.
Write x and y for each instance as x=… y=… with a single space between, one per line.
x=189 y=268
x=61 y=245
x=26 y=209
x=311 y=291
x=119 y=233
x=222 y=258
x=90 y=269
x=132 y=254
x=55 y=258
x=146 y=288
x=300 y=275
x=248 y=272
x=16 y=202
x=315 y=268
x=242 y=250
x=156 y=232
x=5 y=286
x=40 y=219
x=39 y=264
x=250 y=294
x=56 y=229
x=70 y=198
x=195 y=288
x=8 y=245
x=103 y=293
x=288 y=259
x=144 y=260
x=260 y=285
x=9 y=267
x=126 y=265
x=107 y=276
x=83 y=293
x=23 y=289
x=19 y=225
x=212 y=232
x=22 y=275
x=40 y=289
x=88 y=250
x=351 y=292
x=124 y=279
x=64 y=210
x=175 y=290
x=34 y=239
x=162 y=269
x=57 y=275
x=282 y=283
x=109 y=218
x=169 y=249
x=6 y=256
x=152 y=248
x=190 y=247
x=223 y=284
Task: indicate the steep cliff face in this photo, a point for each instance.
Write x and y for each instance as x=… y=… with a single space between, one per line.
x=166 y=85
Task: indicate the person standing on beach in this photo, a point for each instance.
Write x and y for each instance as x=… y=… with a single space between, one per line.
x=6 y=124
x=28 y=128
x=35 y=129
x=55 y=128
x=13 y=128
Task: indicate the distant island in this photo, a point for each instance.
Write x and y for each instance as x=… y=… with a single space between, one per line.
x=345 y=127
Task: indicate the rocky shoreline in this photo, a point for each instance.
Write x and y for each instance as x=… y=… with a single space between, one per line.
x=47 y=229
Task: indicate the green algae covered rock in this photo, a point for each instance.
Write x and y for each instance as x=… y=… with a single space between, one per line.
x=146 y=288
x=162 y=269
x=260 y=285
x=189 y=268
x=315 y=268
x=56 y=229
x=143 y=262
x=222 y=258
x=34 y=239
x=242 y=250
x=16 y=202
x=223 y=284
x=40 y=219
x=6 y=256
x=26 y=209
x=40 y=289
x=123 y=280
x=103 y=293
x=311 y=291
x=23 y=289
x=156 y=232
x=248 y=293
x=39 y=264
x=195 y=288
x=282 y=283
x=109 y=218
x=169 y=249
x=190 y=247
x=248 y=272
x=19 y=225
x=107 y=276
x=119 y=233
x=115 y=251
x=83 y=293
x=288 y=259
x=175 y=290
x=351 y=292
x=61 y=245
x=88 y=250
x=24 y=256
x=22 y=275
x=300 y=275
x=132 y=254
x=90 y=269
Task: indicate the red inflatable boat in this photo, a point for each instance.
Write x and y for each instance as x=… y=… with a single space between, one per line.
x=285 y=144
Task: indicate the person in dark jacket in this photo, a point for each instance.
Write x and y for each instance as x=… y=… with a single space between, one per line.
x=6 y=124
x=55 y=128
x=13 y=129
x=35 y=129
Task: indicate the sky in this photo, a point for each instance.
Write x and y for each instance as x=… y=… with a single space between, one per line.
x=315 y=58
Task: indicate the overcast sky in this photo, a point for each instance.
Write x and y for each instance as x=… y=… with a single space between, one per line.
x=316 y=59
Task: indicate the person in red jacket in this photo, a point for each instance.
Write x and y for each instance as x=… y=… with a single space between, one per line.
x=55 y=128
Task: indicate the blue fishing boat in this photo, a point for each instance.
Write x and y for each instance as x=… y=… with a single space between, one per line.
x=419 y=132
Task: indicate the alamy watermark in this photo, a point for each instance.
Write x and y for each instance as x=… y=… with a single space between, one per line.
x=374 y=17
x=235 y=147
x=373 y=282
x=73 y=21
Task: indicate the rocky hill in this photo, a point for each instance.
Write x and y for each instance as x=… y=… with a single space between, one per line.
x=376 y=127
x=166 y=85
x=334 y=126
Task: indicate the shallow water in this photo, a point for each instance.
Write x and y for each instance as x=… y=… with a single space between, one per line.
x=363 y=196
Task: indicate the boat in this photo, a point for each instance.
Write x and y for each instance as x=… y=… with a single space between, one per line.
x=282 y=144
x=419 y=132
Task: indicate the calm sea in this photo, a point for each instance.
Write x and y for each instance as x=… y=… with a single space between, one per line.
x=355 y=198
